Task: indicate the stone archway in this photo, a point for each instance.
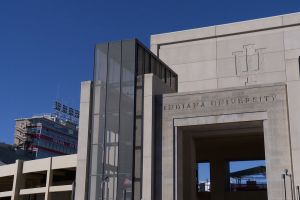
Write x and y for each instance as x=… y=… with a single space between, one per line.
x=266 y=103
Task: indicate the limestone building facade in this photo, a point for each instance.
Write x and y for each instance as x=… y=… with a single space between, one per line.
x=216 y=94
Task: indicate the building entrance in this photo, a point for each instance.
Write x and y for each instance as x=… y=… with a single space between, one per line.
x=222 y=161
x=220 y=128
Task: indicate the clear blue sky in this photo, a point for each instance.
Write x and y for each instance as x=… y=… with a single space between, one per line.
x=46 y=47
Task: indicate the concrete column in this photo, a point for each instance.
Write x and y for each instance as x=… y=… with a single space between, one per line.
x=81 y=183
x=294 y=116
x=153 y=86
x=193 y=169
x=219 y=178
x=189 y=168
x=49 y=180
x=148 y=139
x=18 y=180
x=179 y=160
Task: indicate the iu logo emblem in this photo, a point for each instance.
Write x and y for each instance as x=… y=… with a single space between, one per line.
x=248 y=62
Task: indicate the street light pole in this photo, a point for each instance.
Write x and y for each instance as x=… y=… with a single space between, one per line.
x=292 y=183
x=284 y=186
x=298 y=192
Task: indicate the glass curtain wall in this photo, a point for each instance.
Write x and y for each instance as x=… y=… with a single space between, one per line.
x=117 y=118
x=112 y=144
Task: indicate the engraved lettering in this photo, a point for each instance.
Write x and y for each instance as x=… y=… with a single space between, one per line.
x=229 y=101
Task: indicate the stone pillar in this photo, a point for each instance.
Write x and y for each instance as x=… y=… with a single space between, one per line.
x=82 y=176
x=148 y=139
x=189 y=166
x=18 y=181
x=219 y=178
x=49 y=180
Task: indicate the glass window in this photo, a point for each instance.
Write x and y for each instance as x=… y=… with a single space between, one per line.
x=203 y=177
x=158 y=69
x=153 y=65
x=168 y=77
x=248 y=175
x=147 y=63
x=101 y=52
x=125 y=162
x=141 y=60
x=163 y=73
x=112 y=118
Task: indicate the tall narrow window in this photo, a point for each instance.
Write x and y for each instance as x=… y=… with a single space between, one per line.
x=163 y=73
x=168 y=77
x=203 y=177
x=153 y=65
x=141 y=60
x=147 y=63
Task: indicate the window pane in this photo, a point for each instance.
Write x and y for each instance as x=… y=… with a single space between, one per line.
x=163 y=73
x=126 y=137
x=141 y=60
x=173 y=81
x=203 y=177
x=153 y=65
x=158 y=69
x=147 y=63
x=168 y=75
x=248 y=175
x=112 y=120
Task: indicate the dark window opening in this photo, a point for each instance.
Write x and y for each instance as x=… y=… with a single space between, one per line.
x=62 y=195
x=35 y=179
x=141 y=60
x=33 y=197
x=158 y=69
x=63 y=176
x=153 y=65
x=6 y=183
x=168 y=78
x=147 y=63
x=174 y=81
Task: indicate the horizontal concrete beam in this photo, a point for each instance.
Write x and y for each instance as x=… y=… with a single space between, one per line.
x=33 y=191
x=61 y=162
x=36 y=165
x=61 y=188
x=7 y=170
x=6 y=194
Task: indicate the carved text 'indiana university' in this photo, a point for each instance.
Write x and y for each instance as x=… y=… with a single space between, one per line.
x=220 y=102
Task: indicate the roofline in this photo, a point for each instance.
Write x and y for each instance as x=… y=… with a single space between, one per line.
x=254 y=25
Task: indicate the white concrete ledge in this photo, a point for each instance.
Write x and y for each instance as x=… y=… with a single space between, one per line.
x=292 y=18
x=61 y=162
x=33 y=191
x=61 y=188
x=36 y=165
x=7 y=170
x=6 y=194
